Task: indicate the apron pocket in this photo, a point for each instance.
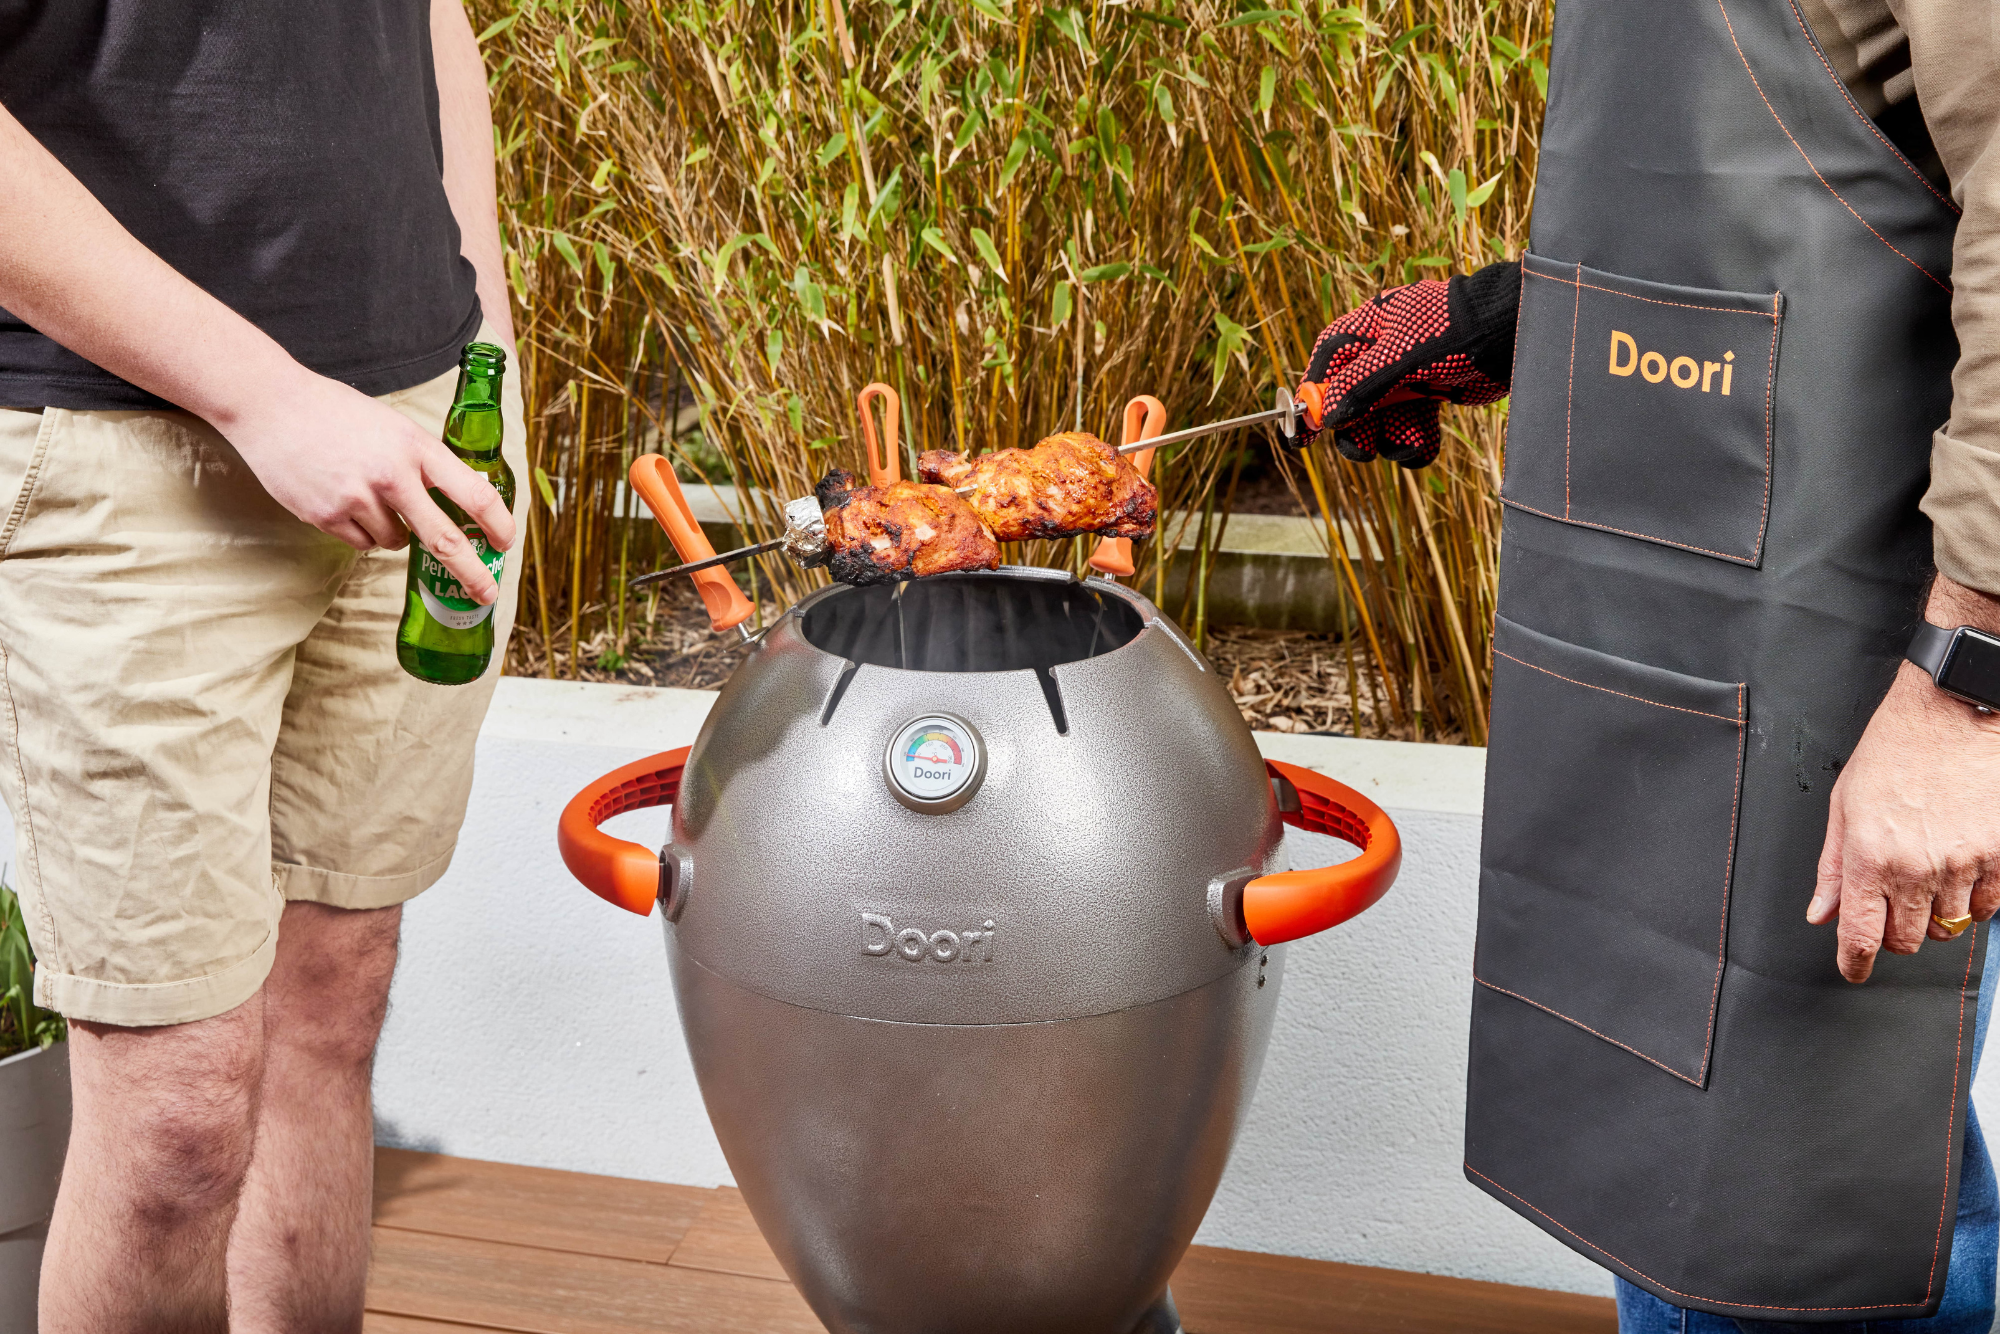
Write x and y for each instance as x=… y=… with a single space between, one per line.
x=1611 y=803
x=1644 y=409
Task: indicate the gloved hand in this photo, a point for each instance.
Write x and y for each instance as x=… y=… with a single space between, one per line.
x=1381 y=370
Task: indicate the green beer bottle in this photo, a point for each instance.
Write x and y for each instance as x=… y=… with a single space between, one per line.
x=446 y=637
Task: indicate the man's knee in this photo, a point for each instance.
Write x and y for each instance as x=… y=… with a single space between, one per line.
x=171 y=1110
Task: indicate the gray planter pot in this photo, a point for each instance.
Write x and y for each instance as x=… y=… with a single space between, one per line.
x=34 y=1134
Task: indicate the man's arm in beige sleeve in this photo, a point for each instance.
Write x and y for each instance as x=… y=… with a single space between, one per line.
x=1955 y=57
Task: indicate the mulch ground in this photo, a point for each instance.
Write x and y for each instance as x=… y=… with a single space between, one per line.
x=1281 y=680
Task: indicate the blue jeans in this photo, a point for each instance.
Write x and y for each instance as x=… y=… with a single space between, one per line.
x=1968 y=1286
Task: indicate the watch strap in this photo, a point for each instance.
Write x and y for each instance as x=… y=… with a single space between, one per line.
x=1930 y=646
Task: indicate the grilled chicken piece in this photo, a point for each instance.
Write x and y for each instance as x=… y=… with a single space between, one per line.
x=1068 y=484
x=906 y=530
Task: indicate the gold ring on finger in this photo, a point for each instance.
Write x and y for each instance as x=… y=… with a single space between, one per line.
x=1955 y=925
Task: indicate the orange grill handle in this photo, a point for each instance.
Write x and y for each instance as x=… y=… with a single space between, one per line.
x=653 y=478
x=1145 y=417
x=1313 y=399
x=1291 y=904
x=883 y=470
x=618 y=870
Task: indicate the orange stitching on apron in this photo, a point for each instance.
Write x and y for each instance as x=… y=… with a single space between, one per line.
x=1569 y=404
x=1593 y=1032
x=1728 y=886
x=1720 y=4
x=1627 y=532
x=1951 y=1125
x=1691 y=1296
x=1641 y=699
x=1863 y=116
x=1631 y=296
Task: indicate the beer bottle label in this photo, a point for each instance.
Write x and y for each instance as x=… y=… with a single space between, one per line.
x=444 y=597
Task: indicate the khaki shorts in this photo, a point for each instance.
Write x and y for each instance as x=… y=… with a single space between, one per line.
x=203 y=712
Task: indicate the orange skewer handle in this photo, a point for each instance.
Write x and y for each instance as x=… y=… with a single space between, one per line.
x=883 y=468
x=653 y=478
x=618 y=870
x=1145 y=418
x=1291 y=904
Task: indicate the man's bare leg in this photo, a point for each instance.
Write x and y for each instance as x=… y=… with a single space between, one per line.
x=158 y=1152
x=298 y=1257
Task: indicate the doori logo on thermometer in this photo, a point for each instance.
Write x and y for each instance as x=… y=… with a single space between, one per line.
x=934 y=763
x=1682 y=372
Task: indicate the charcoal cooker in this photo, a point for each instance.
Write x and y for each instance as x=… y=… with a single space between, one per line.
x=971 y=913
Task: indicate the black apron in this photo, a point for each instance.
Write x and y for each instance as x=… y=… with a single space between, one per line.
x=1735 y=343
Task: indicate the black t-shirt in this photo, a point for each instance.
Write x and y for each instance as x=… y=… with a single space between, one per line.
x=285 y=157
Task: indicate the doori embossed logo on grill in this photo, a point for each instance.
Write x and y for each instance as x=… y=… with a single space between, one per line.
x=881 y=938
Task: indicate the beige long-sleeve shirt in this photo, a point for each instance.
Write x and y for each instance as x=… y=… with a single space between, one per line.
x=1941 y=59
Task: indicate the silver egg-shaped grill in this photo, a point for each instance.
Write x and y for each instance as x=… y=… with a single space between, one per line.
x=971 y=914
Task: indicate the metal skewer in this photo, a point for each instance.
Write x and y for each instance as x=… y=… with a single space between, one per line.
x=805 y=535
x=741 y=553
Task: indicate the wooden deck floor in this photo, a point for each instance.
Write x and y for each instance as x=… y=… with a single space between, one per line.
x=464 y=1246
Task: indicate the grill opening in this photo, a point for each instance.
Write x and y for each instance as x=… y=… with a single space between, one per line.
x=972 y=623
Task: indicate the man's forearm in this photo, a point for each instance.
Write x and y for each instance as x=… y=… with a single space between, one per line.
x=72 y=271
x=465 y=120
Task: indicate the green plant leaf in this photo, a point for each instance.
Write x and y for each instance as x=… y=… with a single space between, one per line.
x=991 y=10
x=698 y=155
x=497 y=27
x=1105 y=272
x=1059 y=306
x=1230 y=340
x=1455 y=187
x=567 y=249
x=1258 y=16
x=934 y=238
x=833 y=149
x=1267 y=89
x=1163 y=101
x=1017 y=153
x=1483 y=192
x=547 y=489
x=984 y=244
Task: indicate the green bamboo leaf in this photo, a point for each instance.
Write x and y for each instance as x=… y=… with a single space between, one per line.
x=1070 y=24
x=1059 y=307
x=1230 y=340
x=1267 y=89
x=1258 y=16
x=1105 y=272
x=1483 y=192
x=602 y=174
x=1265 y=247
x=497 y=27
x=833 y=149
x=934 y=238
x=603 y=253
x=1017 y=153
x=987 y=251
x=774 y=348
x=850 y=208
x=1455 y=187
x=567 y=249
x=991 y=10
x=547 y=488
x=698 y=155
x=1164 y=101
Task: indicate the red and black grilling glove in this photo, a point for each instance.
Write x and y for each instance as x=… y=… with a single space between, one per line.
x=1382 y=369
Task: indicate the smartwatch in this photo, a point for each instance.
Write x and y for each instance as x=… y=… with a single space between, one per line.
x=1964 y=662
